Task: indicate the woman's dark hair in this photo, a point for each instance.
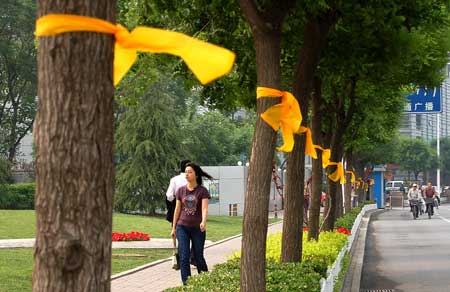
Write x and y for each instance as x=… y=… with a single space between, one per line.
x=199 y=173
x=183 y=164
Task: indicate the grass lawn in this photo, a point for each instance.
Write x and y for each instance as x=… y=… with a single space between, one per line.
x=16 y=265
x=21 y=224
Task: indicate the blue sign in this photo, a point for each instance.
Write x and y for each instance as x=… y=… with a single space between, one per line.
x=424 y=101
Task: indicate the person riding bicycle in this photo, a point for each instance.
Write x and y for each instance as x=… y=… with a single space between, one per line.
x=429 y=194
x=414 y=194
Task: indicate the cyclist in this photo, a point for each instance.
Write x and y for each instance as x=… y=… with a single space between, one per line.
x=414 y=197
x=429 y=194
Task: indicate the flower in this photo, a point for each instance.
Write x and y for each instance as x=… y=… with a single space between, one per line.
x=131 y=236
x=343 y=230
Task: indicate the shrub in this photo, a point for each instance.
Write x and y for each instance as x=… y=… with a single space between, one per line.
x=279 y=277
x=18 y=196
x=348 y=219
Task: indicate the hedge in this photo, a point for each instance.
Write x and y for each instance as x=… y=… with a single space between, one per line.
x=17 y=196
x=279 y=277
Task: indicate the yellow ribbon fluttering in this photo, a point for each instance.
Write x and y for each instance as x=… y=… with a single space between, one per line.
x=205 y=60
x=326 y=155
x=338 y=174
x=309 y=145
x=352 y=180
x=286 y=115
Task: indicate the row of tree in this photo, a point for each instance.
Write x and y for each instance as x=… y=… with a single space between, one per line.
x=352 y=61
x=349 y=65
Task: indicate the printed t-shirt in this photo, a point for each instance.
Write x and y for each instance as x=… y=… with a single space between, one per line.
x=191 y=205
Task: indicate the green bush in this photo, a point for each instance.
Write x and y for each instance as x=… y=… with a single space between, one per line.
x=317 y=256
x=279 y=277
x=17 y=196
x=348 y=219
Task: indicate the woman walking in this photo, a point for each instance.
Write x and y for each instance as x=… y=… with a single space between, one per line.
x=189 y=222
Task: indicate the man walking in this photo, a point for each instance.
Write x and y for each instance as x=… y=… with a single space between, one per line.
x=175 y=183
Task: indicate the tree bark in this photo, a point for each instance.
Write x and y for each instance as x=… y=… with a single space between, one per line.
x=315 y=36
x=348 y=185
x=267 y=39
x=317 y=171
x=73 y=135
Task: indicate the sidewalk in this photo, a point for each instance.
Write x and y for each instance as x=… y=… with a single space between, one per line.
x=152 y=243
x=160 y=276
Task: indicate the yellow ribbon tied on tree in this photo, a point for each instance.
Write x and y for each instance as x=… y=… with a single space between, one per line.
x=338 y=174
x=326 y=155
x=309 y=145
x=286 y=115
x=352 y=180
x=205 y=60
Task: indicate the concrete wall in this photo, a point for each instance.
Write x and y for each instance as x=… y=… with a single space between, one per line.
x=228 y=188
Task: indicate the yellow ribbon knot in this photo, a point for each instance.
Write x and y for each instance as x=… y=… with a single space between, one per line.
x=309 y=145
x=205 y=60
x=326 y=155
x=338 y=174
x=352 y=180
x=286 y=115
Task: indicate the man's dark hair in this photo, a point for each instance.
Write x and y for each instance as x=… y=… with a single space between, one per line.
x=183 y=164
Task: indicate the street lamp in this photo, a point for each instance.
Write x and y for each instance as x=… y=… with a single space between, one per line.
x=239 y=163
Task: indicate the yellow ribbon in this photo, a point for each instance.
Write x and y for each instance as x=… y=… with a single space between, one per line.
x=286 y=115
x=338 y=174
x=352 y=180
x=326 y=155
x=309 y=145
x=205 y=60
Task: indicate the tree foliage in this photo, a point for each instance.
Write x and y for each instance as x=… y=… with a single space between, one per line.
x=18 y=77
x=416 y=156
x=147 y=149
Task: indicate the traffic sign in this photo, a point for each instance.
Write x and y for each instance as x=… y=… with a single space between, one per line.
x=424 y=101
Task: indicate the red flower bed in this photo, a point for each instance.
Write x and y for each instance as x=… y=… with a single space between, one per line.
x=339 y=229
x=131 y=236
x=343 y=230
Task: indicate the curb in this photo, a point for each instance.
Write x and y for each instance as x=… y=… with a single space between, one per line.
x=352 y=278
x=140 y=268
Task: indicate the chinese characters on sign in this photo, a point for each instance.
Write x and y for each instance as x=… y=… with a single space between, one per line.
x=424 y=101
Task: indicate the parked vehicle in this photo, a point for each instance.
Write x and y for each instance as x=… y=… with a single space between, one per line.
x=395 y=185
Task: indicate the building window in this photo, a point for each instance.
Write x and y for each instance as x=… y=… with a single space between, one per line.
x=232 y=209
x=418 y=121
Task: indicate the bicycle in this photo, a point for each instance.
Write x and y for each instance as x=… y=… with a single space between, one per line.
x=415 y=208
x=429 y=203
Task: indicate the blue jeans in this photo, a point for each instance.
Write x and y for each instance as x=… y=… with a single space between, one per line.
x=184 y=235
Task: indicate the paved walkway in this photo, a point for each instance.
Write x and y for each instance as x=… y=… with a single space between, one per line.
x=152 y=243
x=160 y=276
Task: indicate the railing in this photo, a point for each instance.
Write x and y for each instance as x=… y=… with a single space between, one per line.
x=327 y=285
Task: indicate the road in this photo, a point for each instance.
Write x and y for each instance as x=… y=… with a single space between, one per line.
x=402 y=254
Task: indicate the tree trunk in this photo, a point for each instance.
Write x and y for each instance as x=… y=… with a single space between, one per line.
x=73 y=136
x=291 y=245
x=333 y=192
x=339 y=201
x=317 y=171
x=315 y=35
x=254 y=231
x=348 y=194
x=330 y=215
x=359 y=172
